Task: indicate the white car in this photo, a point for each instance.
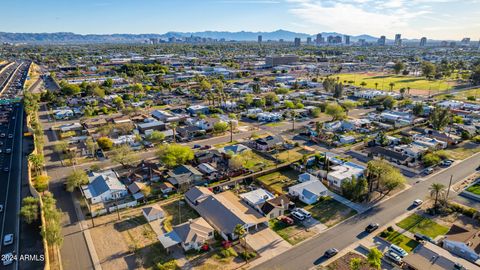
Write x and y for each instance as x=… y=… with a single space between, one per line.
x=417 y=202
x=394 y=257
x=7 y=258
x=8 y=239
x=297 y=215
x=303 y=212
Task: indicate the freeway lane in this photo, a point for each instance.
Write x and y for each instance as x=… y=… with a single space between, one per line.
x=309 y=253
x=11 y=197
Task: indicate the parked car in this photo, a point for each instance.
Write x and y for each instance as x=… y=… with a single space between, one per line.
x=421 y=237
x=428 y=171
x=303 y=212
x=417 y=202
x=8 y=239
x=297 y=215
x=287 y=220
x=371 y=227
x=398 y=250
x=331 y=252
x=195 y=146
x=447 y=163
x=8 y=151
x=394 y=257
x=1 y=208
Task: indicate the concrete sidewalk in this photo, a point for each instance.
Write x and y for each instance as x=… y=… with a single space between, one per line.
x=355 y=206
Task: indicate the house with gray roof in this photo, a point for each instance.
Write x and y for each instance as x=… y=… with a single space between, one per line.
x=103 y=187
x=184 y=175
x=308 y=192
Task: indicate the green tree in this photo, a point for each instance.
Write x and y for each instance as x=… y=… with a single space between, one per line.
x=105 y=143
x=388 y=103
x=289 y=104
x=335 y=111
x=156 y=136
x=356 y=263
x=392 y=84
x=439 y=118
x=76 y=179
x=431 y=159
x=437 y=190
x=37 y=161
x=124 y=155
x=30 y=210
x=220 y=127
x=417 y=109
x=374 y=258
x=338 y=90
x=399 y=66
x=348 y=105
x=174 y=154
x=41 y=182
x=271 y=98
x=428 y=70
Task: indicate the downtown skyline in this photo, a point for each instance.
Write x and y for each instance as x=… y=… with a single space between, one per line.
x=436 y=19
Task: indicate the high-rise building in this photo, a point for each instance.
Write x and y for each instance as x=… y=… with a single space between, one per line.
x=297 y=42
x=423 y=42
x=381 y=41
x=347 y=40
x=309 y=40
x=361 y=42
x=277 y=60
x=319 y=39
x=334 y=39
x=259 y=38
x=398 y=40
x=465 y=41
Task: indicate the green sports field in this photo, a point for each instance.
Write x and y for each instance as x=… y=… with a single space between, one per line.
x=418 y=85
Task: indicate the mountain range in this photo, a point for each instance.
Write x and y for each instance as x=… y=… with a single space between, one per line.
x=72 y=38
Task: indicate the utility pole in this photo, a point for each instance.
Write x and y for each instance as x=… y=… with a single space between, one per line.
x=231 y=131
x=449 y=185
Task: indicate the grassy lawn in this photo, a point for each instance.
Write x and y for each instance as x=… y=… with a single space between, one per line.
x=401 y=240
x=475 y=189
x=275 y=124
x=400 y=81
x=256 y=162
x=178 y=212
x=289 y=155
x=279 y=181
x=329 y=211
x=463 y=151
x=463 y=95
x=292 y=234
x=418 y=224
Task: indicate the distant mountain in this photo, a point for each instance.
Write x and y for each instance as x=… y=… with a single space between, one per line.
x=72 y=38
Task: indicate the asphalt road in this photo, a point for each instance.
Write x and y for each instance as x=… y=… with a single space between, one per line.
x=310 y=253
x=11 y=180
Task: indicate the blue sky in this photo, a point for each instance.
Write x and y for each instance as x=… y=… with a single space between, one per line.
x=439 y=19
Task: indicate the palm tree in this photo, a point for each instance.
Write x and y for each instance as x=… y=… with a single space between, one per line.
x=242 y=234
x=374 y=258
x=376 y=85
x=363 y=84
x=293 y=114
x=436 y=190
x=37 y=161
x=174 y=126
x=402 y=91
x=391 y=86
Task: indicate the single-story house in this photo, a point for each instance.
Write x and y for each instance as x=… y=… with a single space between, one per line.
x=344 y=172
x=304 y=177
x=235 y=149
x=308 y=192
x=224 y=211
x=190 y=235
x=184 y=175
x=103 y=187
x=463 y=242
x=275 y=207
x=256 y=198
x=153 y=212
x=267 y=143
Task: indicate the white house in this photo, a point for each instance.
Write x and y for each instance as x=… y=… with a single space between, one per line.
x=308 y=192
x=344 y=172
x=152 y=213
x=103 y=187
x=190 y=235
x=256 y=198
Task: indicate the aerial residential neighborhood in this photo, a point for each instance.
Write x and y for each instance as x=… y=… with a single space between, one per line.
x=242 y=148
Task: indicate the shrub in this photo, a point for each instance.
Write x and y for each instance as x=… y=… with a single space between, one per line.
x=248 y=255
x=170 y=265
x=390 y=229
x=384 y=234
x=476 y=139
x=228 y=252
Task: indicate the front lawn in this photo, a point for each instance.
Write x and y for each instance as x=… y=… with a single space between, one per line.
x=256 y=162
x=329 y=211
x=293 y=234
x=289 y=155
x=278 y=182
x=463 y=150
x=400 y=240
x=418 y=224
x=475 y=188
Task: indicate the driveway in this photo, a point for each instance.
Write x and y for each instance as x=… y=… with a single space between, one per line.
x=267 y=243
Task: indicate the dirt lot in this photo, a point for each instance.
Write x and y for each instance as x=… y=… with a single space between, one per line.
x=343 y=263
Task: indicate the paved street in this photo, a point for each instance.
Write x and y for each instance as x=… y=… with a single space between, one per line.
x=309 y=253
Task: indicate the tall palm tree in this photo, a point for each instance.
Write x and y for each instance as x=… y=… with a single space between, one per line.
x=391 y=86
x=242 y=234
x=376 y=85
x=174 y=126
x=436 y=190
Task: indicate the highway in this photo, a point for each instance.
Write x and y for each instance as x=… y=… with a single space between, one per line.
x=310 y=253
x=10 y=175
